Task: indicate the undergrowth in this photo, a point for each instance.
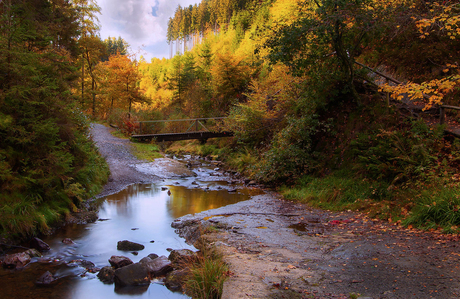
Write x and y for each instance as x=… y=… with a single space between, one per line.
x=408 y=173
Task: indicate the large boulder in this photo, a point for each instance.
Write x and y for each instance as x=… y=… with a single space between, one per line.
x=175 y=279
x=132 y=275
x=119 y=261
x=19 y=260
x=106 y=275
x=39 y=245
x=126 y=245
x=182 y=256
x=157 y=267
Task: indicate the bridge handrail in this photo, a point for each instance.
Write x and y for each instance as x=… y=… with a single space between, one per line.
x=185 y=119
x=196 y=122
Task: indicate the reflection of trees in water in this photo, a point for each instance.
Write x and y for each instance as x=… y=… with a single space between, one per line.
x=122 y=202
x=185 y=201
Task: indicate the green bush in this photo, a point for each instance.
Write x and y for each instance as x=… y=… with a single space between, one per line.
x=412 y=153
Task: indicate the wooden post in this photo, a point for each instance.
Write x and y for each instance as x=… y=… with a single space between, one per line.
x=140 y=128
x=196 y=125
x=442 y=115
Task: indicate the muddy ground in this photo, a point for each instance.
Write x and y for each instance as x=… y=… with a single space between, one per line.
x=280 y=249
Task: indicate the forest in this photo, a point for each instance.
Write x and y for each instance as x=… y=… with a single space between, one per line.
x=308 y=118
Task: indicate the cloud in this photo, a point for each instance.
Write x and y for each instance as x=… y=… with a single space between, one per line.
x=142 y=23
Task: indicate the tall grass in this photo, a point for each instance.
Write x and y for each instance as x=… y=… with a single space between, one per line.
x=207 y=274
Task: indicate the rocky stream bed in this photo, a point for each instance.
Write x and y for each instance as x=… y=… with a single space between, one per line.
x=280 y=249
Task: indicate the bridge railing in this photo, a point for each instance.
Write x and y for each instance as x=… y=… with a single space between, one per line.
x=211 y=124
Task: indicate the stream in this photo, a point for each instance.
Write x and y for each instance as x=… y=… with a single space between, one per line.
x=141 y=213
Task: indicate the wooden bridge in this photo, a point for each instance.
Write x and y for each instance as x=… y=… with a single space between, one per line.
x=181 y=129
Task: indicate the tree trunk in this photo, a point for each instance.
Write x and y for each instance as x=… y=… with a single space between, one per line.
x=82 y=80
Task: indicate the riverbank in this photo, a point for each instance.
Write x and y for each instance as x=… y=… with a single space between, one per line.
x=280 y=249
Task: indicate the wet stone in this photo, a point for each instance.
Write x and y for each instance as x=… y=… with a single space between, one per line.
x=175 y=279
x=182 y=255
x=106 y=275
x=68 y=241
x=132 y=275
x=46 y=279
x=39 y=245
x=157 y=267
x=119 y=261
x=126 y=245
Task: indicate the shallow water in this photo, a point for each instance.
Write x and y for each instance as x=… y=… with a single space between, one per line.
x=140 y=213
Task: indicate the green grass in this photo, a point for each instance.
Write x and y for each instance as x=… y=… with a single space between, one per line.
x=119 y=134
x=336 y=191
x=436 y=208
x=146 y=151
x=429 y=207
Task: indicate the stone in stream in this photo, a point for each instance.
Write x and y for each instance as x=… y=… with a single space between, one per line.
x=181 y=256
x=119 y=261
x=46 y=279
x=106 y=275
x=39 y=245
x=157 y=267
x=132 y=275
x=126 y=245
x=19 y=260
x=175 y=279
x=68 y=241
x=153 y=256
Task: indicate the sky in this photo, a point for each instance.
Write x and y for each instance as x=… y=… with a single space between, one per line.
x=142 y=23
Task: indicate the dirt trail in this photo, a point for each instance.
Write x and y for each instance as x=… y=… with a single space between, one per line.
x=279 y=249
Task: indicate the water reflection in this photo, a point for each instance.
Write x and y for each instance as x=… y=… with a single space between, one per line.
x=146 y=209
x=185 y=201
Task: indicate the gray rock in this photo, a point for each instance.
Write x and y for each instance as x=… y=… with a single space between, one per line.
x=175 y=279
x=126 y=245
x=117 y=261
x=157 y=267
x=39 y=245
x=132 y=275
x=106 y=275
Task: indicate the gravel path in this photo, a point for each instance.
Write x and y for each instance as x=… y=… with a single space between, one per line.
x=122 y=163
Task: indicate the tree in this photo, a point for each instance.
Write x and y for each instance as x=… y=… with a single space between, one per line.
x=121 y=84
x=231 y=76
x=87 y=16
x=331 y=33
x=115 y=46
x=47 y=164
